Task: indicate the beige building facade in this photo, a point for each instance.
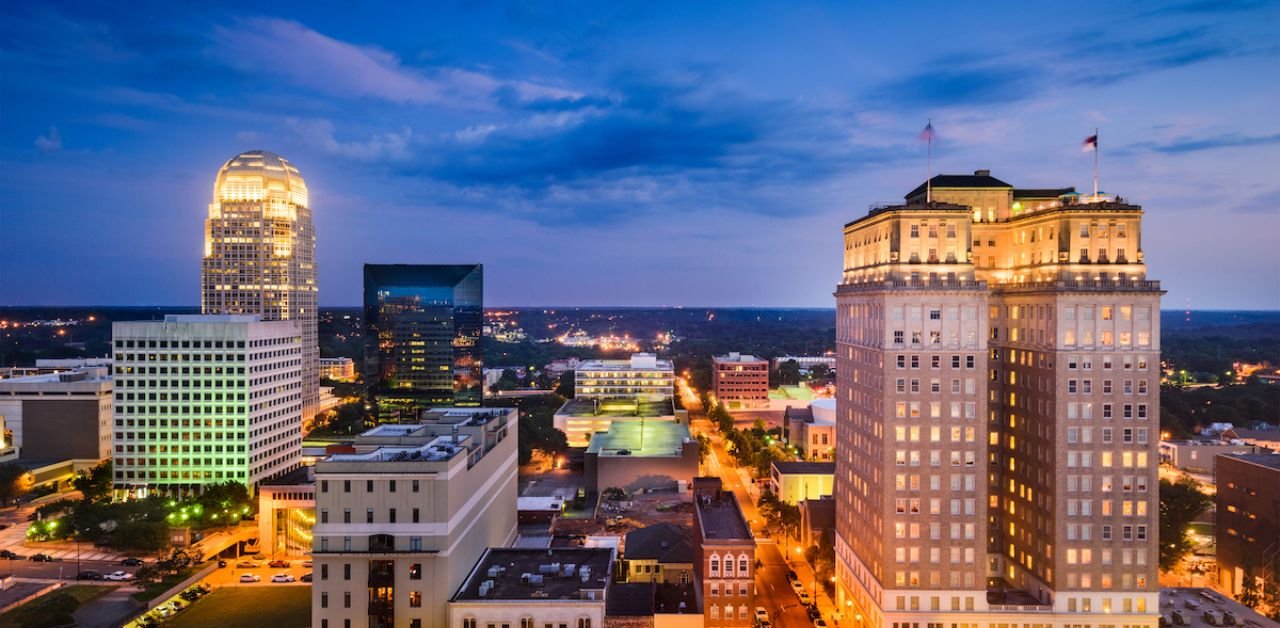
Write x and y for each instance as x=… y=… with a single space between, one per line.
x=740 y=381
x=997 y=410
x=403 y=518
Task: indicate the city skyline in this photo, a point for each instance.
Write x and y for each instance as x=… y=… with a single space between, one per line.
x=685 y=167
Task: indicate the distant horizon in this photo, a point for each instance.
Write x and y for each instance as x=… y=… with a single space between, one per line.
x=588 y=307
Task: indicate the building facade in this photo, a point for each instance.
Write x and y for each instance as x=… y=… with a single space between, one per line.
x=724 y=556
x=338 y=369
x=403 y=518
x=740 y=381
x=423 y=335
x=997 y=408
x=260 y=253
x=57 y=416
x=204 y=399
x=794 y=482
x=1247 y=518
x=642 y=378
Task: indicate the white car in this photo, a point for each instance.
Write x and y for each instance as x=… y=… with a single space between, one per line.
x=797 y=586
x=283 y=577
x=118 y=576
x=805 y=598
x=250 y=577
x=761 y=614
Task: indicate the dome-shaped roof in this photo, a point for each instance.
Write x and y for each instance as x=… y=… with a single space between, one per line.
x=257 y=175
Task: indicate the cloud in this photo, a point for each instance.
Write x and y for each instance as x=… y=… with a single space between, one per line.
x=310 y=59
x=1266 y=203
x=1197 y=144
x=959 y=86
x=319 y=135
x=51 y=142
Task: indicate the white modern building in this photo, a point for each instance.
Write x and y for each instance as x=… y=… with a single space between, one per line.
x=643 y=377
x=202 y=399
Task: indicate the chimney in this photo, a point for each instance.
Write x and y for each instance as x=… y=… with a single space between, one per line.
x=982 y=173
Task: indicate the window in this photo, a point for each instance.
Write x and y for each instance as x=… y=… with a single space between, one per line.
x=346 y=571
x=368 y=514
x=415 y=571
x=324 y=600
x=415 y=599
x=346 y=599
x=346 y=486
x=324 y=571
x=391 y=516
x=415 y=489
x=415 y=515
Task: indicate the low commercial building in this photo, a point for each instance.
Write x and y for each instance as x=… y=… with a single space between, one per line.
x=637 y=455
x=812 y=430
x=793 y=482
x=643 y=377
x=725 y=555
x=817 y=519
x=338 y=369
x=203 y=399
x=535 y=587
x=405 y=515
x=1247 y=516
x=653 y=605
x=580 y=418
x=740 y=381
x=57 y=416
x=806 y=362
x=1198 y=456
x=658 y=553
x=287 y=513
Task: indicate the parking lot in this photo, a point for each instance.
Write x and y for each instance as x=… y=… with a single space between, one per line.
x=1190 y=605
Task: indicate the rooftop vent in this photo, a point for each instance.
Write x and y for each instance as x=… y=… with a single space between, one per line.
x=486 y=587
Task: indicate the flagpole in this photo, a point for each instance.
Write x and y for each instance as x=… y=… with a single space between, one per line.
x=1095 y=162
x=928 y=178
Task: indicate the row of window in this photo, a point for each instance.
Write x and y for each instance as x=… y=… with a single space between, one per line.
x=368 y=518
x=935 y=361
x=414 y=486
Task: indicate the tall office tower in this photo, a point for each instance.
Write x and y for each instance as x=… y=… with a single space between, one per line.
x=998 y=353
x=203 y=399
x=404 y=517
x=423 y=328
x=260 y=253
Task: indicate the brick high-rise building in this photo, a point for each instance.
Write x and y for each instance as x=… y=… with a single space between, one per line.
x=1246 y=517
x=740 y=381
x=998 y=397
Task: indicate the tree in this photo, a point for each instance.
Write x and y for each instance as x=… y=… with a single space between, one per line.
x=1180 y=504
x=1250 y=594
x=15 y=482
x=704 y=447
x=95 y=483
x=566 y=385
x=788 y=373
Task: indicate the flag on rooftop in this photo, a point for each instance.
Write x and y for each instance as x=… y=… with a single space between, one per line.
x=1091 y=142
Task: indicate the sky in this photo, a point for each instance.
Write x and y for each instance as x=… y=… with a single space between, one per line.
x=622 y=153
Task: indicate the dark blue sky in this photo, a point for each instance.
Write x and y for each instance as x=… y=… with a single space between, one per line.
x=622 y=153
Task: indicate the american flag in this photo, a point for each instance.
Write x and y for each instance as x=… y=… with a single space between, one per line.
x=1091 y=142
x=928 y=134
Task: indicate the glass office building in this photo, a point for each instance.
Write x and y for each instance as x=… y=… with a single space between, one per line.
x=423 y=337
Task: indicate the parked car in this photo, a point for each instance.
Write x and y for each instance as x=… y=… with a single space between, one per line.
x=279 y=564
x=819 y=623
x=89 y=575
x=9 y=555
x=41 y=558
x=118 y=576
x=250 y=577
x=761 y=614
x=791 y=575
x=222 y=563
x=132 y=562
x=306 y=577
x=248 y=564
x=813 y=611
x=797 y=586
x=805 y=598
x=283 y=577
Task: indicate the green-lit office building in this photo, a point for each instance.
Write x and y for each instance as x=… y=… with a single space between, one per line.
x=423 y=341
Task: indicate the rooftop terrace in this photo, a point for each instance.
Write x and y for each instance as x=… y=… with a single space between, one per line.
x=539 y=574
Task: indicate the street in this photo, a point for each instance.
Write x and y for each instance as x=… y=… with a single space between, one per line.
x=773 y=590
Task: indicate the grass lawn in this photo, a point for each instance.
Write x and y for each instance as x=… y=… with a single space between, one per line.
x=83 y=593
x=154 y=589
x=249 y=607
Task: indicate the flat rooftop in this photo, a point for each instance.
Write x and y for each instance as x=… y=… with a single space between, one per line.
x=1266 y=460
x=805 y=468
x=637 y=362
x=721 y=517
x=641 y=438
x=580 y=407
x=439 y=449
x=538 y=574
x=743 y=358
x=302 y=476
